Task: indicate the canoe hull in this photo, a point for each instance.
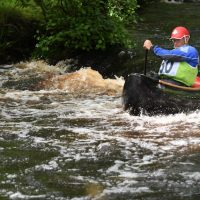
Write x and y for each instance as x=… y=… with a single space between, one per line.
x=142 y=94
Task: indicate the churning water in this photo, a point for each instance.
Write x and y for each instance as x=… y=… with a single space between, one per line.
x=71 y=139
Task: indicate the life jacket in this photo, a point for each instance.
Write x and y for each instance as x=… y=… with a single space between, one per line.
x=178 y=71
x=179 y=64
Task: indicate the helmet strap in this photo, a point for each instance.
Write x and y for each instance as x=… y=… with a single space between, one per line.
x=186 y=39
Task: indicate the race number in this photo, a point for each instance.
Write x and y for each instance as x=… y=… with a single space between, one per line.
x=168 y=67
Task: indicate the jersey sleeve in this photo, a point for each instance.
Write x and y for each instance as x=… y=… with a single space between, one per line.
x=185 y=53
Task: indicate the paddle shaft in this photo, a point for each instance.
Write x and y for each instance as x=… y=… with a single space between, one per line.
x=145 y=62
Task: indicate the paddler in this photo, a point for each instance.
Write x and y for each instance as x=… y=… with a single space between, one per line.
x=179 y=65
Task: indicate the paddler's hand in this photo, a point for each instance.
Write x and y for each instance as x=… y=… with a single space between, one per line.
x=147 y=44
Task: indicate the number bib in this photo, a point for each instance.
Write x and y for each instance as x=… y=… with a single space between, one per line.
x=169 y=68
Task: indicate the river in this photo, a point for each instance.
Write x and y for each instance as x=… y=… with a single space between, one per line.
x=66 y=136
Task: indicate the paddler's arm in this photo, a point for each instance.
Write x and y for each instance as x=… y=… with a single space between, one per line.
x=184 y=53
x=176 y=55
x=172 y=55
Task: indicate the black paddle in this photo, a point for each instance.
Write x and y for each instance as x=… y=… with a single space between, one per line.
x=145 y=62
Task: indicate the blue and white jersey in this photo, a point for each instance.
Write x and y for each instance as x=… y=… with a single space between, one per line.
x=185 y=53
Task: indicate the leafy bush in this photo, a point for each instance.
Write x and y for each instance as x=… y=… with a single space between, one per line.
x=84 y=25
x=17 y=32
x=66 y=26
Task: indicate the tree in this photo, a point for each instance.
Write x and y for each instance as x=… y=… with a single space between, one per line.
x=82 y=25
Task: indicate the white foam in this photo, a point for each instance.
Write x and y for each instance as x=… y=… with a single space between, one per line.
x=19 y=195
x=52 y=165
x=124 y=189
x=191 y=175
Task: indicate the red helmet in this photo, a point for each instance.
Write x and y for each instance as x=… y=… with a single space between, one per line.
x=179 y=32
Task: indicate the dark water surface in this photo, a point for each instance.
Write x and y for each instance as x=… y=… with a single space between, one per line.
x=64 y=143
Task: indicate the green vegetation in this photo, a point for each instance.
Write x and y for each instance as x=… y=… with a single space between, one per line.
x=83 y=25
x=55 y=28
x=17 y=30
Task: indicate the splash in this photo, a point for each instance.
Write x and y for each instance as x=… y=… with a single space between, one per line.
x=39 y=75
x=85 y=81
x=40 y=66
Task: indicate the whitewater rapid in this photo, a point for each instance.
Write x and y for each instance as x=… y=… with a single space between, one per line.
x=59 y=142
